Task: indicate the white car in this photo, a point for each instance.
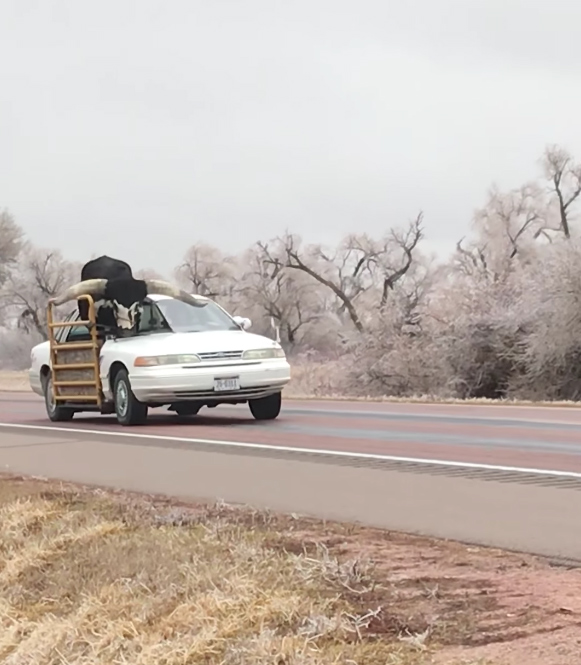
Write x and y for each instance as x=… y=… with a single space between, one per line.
x=182 y=357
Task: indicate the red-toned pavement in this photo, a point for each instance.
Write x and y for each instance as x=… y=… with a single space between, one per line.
x=546 y=438
x=509 y=476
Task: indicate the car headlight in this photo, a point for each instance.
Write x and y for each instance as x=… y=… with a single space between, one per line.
x=156 y=361
x=263 y=354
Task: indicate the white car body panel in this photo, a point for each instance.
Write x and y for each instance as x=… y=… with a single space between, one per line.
x=170 y=383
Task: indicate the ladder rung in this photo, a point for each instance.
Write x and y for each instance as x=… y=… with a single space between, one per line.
x=94 y=406
x=74 y=345
x=72 y=384
x=78 y=398
x=69 y=324
x=75 y=366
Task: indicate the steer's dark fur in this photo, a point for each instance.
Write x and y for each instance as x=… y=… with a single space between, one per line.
x=105 y=267
x=121 y=287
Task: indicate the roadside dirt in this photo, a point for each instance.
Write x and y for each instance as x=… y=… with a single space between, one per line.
x=419 y=601
x=14 y=382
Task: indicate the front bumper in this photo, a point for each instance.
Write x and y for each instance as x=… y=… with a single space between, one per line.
x=166 y=385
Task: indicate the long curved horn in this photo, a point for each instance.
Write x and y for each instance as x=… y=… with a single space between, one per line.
x=166 y=289
x=88 y=287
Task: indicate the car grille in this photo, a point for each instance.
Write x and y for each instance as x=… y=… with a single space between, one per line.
x=220 y=355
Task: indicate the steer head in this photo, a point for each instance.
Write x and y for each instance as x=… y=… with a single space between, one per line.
x=124 y=296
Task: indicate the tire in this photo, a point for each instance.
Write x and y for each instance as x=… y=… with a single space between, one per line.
x=187 y=409
x=56 y=413
x=128 y=409
x=266 y=408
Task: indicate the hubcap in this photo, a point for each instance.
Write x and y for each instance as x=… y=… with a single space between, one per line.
x=122 y=398
x=50 y=403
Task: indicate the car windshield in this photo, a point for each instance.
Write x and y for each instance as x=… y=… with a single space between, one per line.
x=187 y=318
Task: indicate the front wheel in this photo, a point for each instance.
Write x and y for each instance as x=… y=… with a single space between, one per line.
x=266 y=408
x=55 y=412
x=128 y=409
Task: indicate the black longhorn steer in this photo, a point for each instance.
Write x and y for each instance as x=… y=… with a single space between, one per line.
x=117 y=294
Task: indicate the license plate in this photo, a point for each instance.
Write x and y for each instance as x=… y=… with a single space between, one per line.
x=221 y=385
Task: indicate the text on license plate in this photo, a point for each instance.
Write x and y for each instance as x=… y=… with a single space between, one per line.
x=227 y=384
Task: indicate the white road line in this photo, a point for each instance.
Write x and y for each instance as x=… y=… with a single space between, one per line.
x=292 y=449
x=518 y=421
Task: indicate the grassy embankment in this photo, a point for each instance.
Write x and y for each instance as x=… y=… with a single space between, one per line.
x=88 y=576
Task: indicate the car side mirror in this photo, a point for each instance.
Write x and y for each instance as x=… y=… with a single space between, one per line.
x=243 y=322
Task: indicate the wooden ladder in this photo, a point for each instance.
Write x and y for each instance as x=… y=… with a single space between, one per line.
x=74 y=366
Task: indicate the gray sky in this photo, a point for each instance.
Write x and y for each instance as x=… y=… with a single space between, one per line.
x=227 y=121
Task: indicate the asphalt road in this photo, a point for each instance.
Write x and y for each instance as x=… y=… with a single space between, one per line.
x=503 y=476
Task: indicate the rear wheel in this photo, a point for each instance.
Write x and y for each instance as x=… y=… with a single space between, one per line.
x=128 y=409
x=266 y=408
x=55 y=412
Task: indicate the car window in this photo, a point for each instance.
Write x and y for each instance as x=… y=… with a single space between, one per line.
x=65 y=333
x=152 y=320
x=77 y=333
x=61 y=333
x=183 y=317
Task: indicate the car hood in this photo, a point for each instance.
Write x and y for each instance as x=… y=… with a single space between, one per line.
x=195 y=342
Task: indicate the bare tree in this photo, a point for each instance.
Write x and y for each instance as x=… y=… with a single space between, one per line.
x=395 y=257
x=506 y=229
x=41 y=275
x=343 y=272
x=565 y=178
x=208 y=272
x=288 y=298
x=11 y=242
x=551 y=311
x=476 y=332
x=397 y=353
x=514 y=218
x=481 y=330
x=359 y=265
x=471 y=260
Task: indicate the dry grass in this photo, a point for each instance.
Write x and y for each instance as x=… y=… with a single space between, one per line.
x=96 y=577
x=89 y=578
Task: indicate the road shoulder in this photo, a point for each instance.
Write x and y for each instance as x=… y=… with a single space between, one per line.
x=538 y=519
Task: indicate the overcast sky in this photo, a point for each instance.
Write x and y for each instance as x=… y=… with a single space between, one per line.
x=137 y=128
